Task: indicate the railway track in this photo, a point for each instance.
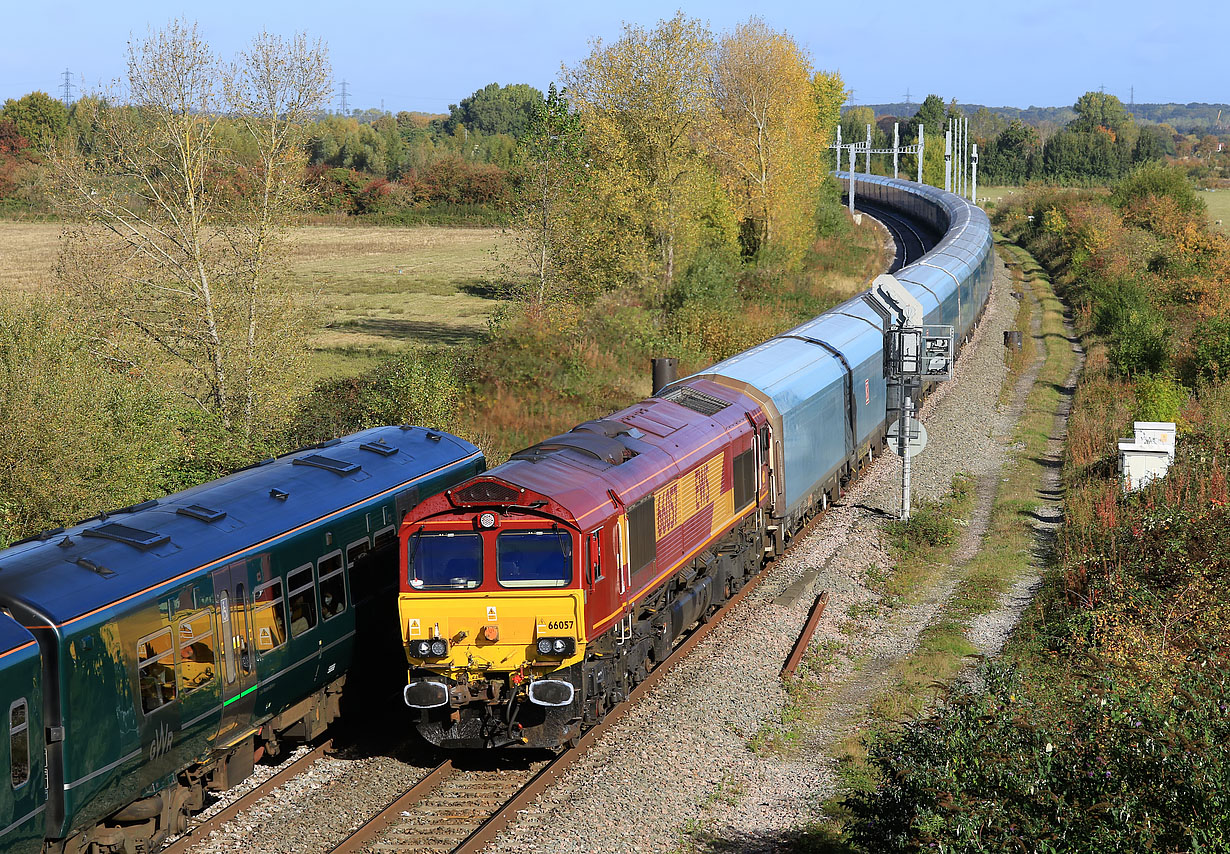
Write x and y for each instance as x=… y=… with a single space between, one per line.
x=460 y=810
x=911 y=242
x=200 y=830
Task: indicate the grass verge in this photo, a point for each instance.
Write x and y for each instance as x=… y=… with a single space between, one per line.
x=1007 y=551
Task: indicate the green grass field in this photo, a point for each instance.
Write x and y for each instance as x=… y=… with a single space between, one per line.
x=376 y=290
x=1218 y=203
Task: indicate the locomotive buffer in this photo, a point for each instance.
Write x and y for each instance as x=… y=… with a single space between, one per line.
x=915 y=355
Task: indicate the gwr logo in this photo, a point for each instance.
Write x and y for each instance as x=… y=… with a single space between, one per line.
x=162 y=742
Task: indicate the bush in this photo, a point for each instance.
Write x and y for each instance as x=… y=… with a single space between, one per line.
x=1140 y=346
x=928 y=526
x=1209 y=351
x=1110 y=761
x=1159 y=399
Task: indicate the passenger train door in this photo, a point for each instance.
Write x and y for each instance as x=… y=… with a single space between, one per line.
x=232 y=591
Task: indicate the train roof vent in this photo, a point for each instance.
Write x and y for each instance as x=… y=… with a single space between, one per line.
x=605 y=449
x=320 y=461
x=697 y=401
x=379 y=448
x=487 y=492
x=129 y=536
x=97 y=569
x=200 y=511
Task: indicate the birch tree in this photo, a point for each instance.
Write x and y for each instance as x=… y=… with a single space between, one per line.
x=170 y=244
x=549 y=162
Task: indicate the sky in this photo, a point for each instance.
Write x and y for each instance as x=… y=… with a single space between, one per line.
x=414 y=55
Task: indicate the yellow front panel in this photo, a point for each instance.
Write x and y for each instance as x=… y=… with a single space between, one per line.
x=519 y=617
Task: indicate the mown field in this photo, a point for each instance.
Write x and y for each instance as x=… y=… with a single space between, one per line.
x=1218 y=203
x=374 y=290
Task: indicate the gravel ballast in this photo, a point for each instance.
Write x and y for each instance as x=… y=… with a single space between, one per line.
x=678 y=770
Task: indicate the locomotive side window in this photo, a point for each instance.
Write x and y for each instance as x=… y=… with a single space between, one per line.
x=445 y=561
x=332 y=586
x=156 y=670
x=642 y=543
x=196 y=652
x=745 y=478
x=302 y=601
x=269 y=616
x=19 y=743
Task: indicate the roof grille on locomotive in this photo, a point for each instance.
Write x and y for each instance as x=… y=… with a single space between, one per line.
x=697 y=401
x=487 y=492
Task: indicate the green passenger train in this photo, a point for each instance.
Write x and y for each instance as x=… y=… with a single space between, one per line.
x=156 y=653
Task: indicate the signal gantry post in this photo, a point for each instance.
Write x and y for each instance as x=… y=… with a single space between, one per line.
x=914 y=354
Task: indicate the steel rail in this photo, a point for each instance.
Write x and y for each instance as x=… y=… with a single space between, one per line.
x=488 y=830
x=804 y=640
x=197 y=832
x=367 y=832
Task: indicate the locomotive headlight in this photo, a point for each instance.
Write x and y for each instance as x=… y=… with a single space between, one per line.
x=486 y=520
x=429 y=648
x=556 y=647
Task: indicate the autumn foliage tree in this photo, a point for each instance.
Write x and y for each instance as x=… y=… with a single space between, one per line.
x=767 y=136
x=692 y=142
x=645 y=100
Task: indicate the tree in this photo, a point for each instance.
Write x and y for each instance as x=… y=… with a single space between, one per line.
x=170 y=243
x=549 y=161
x=272 y=90
x=768 y=136
x=932 y=114
x=38 y=117
x=643 y=102
x=1098 y=110
x=496 y=109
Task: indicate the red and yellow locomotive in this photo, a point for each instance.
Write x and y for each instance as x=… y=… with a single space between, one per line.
x=535 y=596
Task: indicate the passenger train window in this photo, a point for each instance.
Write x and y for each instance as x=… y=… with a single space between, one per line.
x=269 y=616
x=354 y=552
x=384 y=538
x=19 y=743
x=332 y=586
x=302 y=601
x=228 y=638
x=196 y=652
x=156 y=670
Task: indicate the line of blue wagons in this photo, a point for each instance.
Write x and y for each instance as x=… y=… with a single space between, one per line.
x=154 y=654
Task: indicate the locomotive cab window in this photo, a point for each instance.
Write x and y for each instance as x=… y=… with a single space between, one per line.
x=452 y=561
x=156 y=670
x=19 y=743
x=302 y=601
x=197 y=662
x=332 y=586
x=269 y=616
x=534 y=558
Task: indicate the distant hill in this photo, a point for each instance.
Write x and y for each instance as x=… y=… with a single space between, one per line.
x=1185 y=118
